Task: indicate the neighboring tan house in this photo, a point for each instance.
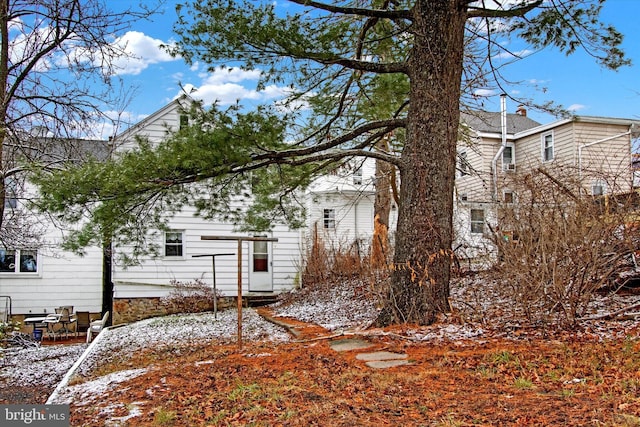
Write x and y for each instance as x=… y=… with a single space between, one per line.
x=596 y=151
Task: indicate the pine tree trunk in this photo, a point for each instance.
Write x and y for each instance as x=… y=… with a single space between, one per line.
x=419 y=287
x=382 y=202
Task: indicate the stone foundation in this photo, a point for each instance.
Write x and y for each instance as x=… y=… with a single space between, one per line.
x=127 y=310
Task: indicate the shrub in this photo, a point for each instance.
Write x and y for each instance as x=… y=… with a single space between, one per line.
x=558 y=246
x=190 y=297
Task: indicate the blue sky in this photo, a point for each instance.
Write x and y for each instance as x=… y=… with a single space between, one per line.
x=577 y=81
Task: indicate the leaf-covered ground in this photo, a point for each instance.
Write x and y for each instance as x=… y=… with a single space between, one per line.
x=478 y=367
x=491 y=383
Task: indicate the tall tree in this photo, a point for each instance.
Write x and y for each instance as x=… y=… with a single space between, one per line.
x=57 y=75
x=333 y=54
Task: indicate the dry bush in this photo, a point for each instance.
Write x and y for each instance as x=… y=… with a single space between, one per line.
x=190 y=297
x=558 y=246
x=330 y=262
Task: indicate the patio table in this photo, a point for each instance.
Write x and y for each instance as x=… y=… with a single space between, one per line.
x=34 y=321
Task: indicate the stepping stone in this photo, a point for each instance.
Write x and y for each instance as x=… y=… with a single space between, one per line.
x=382 y=364
x=383 y=359
x=381 y=355
x=349 y=344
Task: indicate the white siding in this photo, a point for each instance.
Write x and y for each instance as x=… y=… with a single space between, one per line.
x=152 y=277
x=63 y=278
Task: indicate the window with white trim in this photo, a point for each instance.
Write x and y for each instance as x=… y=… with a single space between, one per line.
x=507 y=196
x=598 y=188
x=18 y=261
x=260 y=256
x=509 y=157
x=477 y=221
x=463 y=163
x=357 y=177
x=173 y=244
x=11 y=193
x=329 y=218
x=184 y=121
x=547 y=147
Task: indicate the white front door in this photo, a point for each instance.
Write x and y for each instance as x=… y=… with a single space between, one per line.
x=260 y=267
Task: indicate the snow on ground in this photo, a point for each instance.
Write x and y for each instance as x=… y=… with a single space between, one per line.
x=332 y=307
x=85 y=392
x=38 y=366
x=45 y=366
x=480 y=311
x=175 y=331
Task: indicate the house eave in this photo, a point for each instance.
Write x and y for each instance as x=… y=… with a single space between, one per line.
x=582 y=119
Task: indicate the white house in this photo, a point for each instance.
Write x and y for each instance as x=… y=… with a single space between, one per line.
x=339 y=206
x=36 y=275
x=267 y=267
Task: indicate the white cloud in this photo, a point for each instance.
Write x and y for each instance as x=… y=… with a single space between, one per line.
x=142 y=50
x=537 y=82
x=227 y=86
x=576 y=107
x=233 y=75
x=512 y=55
x=484 y=92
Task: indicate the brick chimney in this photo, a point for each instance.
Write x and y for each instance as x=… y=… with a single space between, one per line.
x=521 y=111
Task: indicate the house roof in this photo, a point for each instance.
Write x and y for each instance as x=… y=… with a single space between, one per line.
x=176 y=103
x=50 y=149
x=633 y=125
x=489 y=122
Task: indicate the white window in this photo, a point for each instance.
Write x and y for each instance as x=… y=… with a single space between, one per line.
x=173 y=244
x=184 y=121
x=598 y=188
x=509 y=158
x=477 y=221
x=463 y=163
x=547 y=147
x=357 y=177
x=11 y=193
x=329 y=218
x=18 y=261
x=260 y=256
x=507 y=196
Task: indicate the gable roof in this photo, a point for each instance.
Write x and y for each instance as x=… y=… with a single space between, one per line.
x=489 y=122
x=179 y=102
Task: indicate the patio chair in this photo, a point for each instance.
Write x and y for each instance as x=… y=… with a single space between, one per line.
x=83 y=320
x=51 y=320
x=97 y=326
x=67 y=318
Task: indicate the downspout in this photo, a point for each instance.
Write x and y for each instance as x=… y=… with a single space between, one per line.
x=503 y=126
